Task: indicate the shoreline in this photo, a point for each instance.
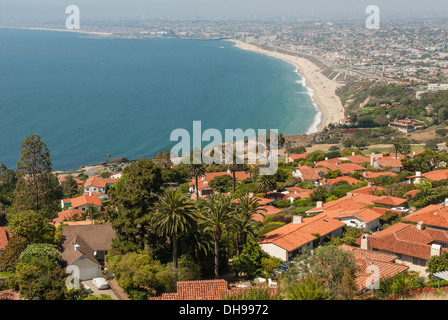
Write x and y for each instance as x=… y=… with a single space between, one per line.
x=320 y=88
x=62 y=30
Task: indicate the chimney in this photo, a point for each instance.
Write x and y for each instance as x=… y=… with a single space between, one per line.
x=414 y=153
x=365 y=242
x=251 y=194
x=372 y=160
x=326 y=158
x=90 y=193
x=349 y=194
x=418 y=173
x=319 y=204
x=436 y=250
x=446 y=202
x=353 y=153
x=364 y=173
x=420 y=226
x=297 y=219
x=369 y=184
x=76 y=247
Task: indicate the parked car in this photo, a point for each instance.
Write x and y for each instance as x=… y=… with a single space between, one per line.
x=100 y=283
x=282 y=268
x=403 y=209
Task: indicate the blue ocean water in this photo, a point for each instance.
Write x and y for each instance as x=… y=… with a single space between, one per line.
x=90 y=97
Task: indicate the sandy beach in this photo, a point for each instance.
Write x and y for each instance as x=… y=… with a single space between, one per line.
x=323 y=89
x=63 y=30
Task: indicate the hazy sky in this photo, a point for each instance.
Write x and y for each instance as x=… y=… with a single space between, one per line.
x=120 y=9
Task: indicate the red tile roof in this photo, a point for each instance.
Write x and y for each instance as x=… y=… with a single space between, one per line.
x=432 y=215
x=295 y=235
x=389 y=161
x=84 y=200
x=308 y=173
x=79 y=182
x=261 y=201
x=99 y=182
x=348 y=179
x=373 y=175
x=298 y=156
x=372 y=190
x=434 y=175
x=202 y=290
x=337 y=164
x=270 y=210
x=367 y=260
x=66 y=215
x=402 y=238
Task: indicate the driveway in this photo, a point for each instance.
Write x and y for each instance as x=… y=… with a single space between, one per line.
x=97 y=292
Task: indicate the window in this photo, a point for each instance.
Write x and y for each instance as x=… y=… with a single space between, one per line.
x=419 y=262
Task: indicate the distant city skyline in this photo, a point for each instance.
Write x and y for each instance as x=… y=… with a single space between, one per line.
x=136 y=9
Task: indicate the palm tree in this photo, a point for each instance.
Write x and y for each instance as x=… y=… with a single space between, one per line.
x=233 y=167
x=265 y=183
x=249 y=206
x=92 y=212
x=243 y=225
x=401 y=145
x=174 y=215
x=195 y=171
x=216 y=216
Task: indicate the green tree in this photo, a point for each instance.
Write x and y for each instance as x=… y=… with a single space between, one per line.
x=265 y=183
x=308 y=288
x=31 y=226
x=249 y=261
x=401 y=145
x=173 y=215
x=328 y=263
x=320 y=193
x=41 y=254
x=437 y=264
x=69 y=187
x=132 y=200
x=221 y=184
x=243 y=225
x=37 y=189
x=216 y=216
x=10 y=255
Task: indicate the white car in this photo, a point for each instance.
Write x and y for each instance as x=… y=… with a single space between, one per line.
x=403 y=209
x=100 y=283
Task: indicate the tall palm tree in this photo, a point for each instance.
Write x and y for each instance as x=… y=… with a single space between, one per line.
x=195 y=171
x=233 y=167
x=173 y=215
x=216 y=216
x=243 y=225
x=265 y=183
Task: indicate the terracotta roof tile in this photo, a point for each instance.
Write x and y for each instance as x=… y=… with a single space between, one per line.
x=433 y=215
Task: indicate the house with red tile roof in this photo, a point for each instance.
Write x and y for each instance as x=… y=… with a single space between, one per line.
x=96 y=184
x=4 y=238
x=348 y=179
x=81 y=203
x=308 y=174
x=203 y=182
x=270 y=211
x=67 y=215
x=434 y=216
x=370 y=175
x=373 y=266
x=299 y=236
x=217 y=289
x=338 y=164
x=293 y=193
x=413 y=244
x=387 y=163
x=293 y=157
x=79 y=182
x=436 y=175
